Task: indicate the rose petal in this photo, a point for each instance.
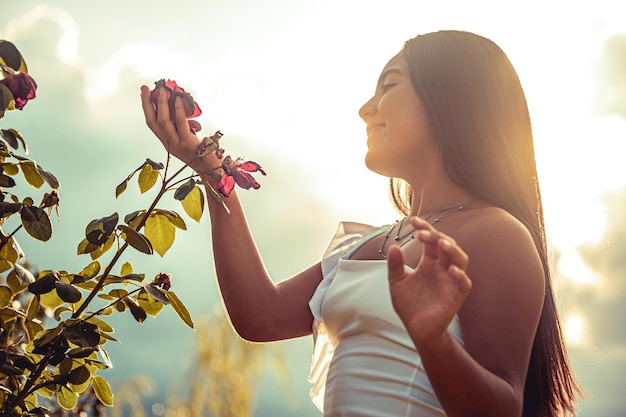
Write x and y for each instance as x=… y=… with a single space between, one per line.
x=245 y=180
x=251 y=166
x=194 y=126
x=225 y=185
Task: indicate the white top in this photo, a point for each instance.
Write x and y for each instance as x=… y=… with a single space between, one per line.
x=364 y=362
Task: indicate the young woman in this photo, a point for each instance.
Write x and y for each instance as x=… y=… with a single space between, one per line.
x=447 y=312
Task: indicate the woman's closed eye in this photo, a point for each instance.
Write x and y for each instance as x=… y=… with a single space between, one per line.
x=386 y=87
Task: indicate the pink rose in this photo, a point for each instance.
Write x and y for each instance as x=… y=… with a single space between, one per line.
x=173 y=90
x=23 y=88
x=238 y=172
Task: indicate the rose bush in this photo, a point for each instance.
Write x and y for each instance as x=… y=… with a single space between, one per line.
x=53 y=330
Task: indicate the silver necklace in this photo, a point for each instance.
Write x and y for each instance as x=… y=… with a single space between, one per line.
x=442 y=212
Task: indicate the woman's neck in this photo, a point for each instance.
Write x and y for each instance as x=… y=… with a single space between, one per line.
x=426 y=201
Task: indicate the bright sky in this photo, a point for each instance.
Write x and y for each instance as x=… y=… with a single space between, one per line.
x=285 y=80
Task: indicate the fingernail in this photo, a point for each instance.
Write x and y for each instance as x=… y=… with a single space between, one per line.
x=445 y=243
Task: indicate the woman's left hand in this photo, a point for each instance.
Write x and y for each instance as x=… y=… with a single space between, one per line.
x=427 y=299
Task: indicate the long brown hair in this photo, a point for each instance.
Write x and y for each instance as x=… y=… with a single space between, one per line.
x=478 y=113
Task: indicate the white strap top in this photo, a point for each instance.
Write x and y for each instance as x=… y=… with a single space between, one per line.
x=364 y=361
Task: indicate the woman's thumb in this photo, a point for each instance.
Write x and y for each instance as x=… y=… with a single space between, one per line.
x=395 y=264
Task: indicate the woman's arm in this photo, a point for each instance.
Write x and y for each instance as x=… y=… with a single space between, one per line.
x=259 y=309
x=499 y=311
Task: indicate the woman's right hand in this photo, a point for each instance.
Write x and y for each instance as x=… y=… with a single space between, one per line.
x=178 y=139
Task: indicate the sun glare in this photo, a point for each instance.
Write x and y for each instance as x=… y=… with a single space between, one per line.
x=574 y=330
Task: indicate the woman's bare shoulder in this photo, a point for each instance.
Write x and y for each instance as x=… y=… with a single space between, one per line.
x=487 y=228
x=501 y=250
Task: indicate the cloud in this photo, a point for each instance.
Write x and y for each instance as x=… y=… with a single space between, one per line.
x=67 y=43
x=611 y=70
x=604 y=306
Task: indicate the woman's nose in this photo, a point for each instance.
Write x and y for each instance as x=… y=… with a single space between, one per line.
x=368 y=109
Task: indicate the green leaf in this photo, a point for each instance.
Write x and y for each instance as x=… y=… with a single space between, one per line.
x=215 y=196
x=6 y=208
x=6 y=181
x=147 y=178
x=33 y=328
x=103 y=390
x=133 y=276
x=179 y=308
x=31 y=174
x=6 y=296
x=12 y=136
x=161 y=233
x=118 y=293
x=6 y=99
x=26 y=277
x=67 y=398
x=135 y=239
x=156 y=293
x=9 y=137
x=8 y=255
x=67 y=292
x=44 y=284
x=121 y=188
x=79 y=375
x=14 y=283
x=78 y=353
x=136 y=310
x=91 y=270
x=8 y=314
x=51 y=300
x=193 y=204
x=83 y=334
x=85 y=247
x=102 y=325
x=33 y=308
x=105 y=357
x=48 y=336
x=50 y=179
x=10 y=56
x=10 y=168
x=104 y=248
x=127 y=268
x=98 y=231
x=36 y=223
x=184 y=189
x=155 y=165
x=151 y=306
x=132 y=217
x=173 y=217
x=61 y=310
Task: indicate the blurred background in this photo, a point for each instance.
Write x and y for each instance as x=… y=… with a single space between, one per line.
x=284 y=80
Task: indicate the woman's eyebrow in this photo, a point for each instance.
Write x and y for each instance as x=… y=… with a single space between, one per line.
x=387 y=72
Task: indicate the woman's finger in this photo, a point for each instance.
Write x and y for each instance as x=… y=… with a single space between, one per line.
x=453 y=252
x=182 y=125
x=148 y=109
x=462 y=280
x=395 y=264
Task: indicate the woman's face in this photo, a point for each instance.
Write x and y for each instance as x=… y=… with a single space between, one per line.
x=399 y=141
